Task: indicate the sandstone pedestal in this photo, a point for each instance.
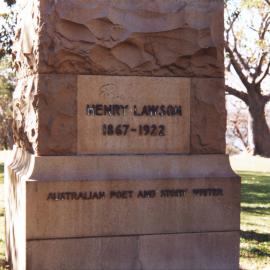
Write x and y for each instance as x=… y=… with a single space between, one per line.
x=119 y=122
x=165 y=215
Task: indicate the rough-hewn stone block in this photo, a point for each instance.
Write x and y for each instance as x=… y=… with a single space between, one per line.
x=208 y=116
x=154 y=38
x=45 y=113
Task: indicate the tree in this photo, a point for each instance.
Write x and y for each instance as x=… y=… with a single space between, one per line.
x=7 y=32
x=7 y=83
x=6 y=88
x=238 y=132
x=247 y=46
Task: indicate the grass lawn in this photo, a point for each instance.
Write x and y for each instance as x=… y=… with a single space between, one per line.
x=2 y=243
x=1 y=173
x=255 y=221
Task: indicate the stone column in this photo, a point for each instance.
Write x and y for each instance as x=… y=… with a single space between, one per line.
x=119 y=160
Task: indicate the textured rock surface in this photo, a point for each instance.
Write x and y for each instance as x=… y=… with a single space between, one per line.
x=208 y=116
x=153 y=38
x=25 y=124
x=45 y=109
x=45 y=114
x=158 y=38
x=57 y=110
x=26 y=44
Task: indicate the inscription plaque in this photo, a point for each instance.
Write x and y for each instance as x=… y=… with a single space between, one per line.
x=129 y=194
x=133 y=115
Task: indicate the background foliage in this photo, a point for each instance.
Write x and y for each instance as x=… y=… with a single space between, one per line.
x=7 y=76
x=247 y=46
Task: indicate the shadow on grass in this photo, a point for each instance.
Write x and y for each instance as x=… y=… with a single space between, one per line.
x=1 y=167
x=1 y=173
x=255 y=189
x=257 y=244
x=256 y=210
x=259 y=237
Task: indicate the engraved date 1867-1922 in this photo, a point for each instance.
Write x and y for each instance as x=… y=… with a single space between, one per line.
x=125 y=129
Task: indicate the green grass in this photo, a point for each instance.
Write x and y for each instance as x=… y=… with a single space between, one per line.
x=255 y=221
x=2 y=255
x=2 y=241
x=1 y=173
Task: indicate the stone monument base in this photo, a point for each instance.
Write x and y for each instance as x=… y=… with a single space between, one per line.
x=155 y=252
x=122 y=212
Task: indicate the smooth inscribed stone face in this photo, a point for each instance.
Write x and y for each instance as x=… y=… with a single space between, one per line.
x=133 y=115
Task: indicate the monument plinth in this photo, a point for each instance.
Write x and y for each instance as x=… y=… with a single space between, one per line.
x=119 y=123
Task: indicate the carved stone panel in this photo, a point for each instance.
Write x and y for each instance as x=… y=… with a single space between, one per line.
x=133 y=115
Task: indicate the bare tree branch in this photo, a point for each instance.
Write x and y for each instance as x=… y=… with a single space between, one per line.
x=237 y=66
x=237 y=93
x=238 y=133
x=266 y=72
x=230 y=29
x=266 y=98
x=263 y=28
x=241 y=60
x=261 y=63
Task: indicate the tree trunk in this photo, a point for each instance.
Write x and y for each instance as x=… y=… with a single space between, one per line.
x=260 y=129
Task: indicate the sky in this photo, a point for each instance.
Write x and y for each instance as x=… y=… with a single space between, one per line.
x=3 y=6
x=3 y=9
